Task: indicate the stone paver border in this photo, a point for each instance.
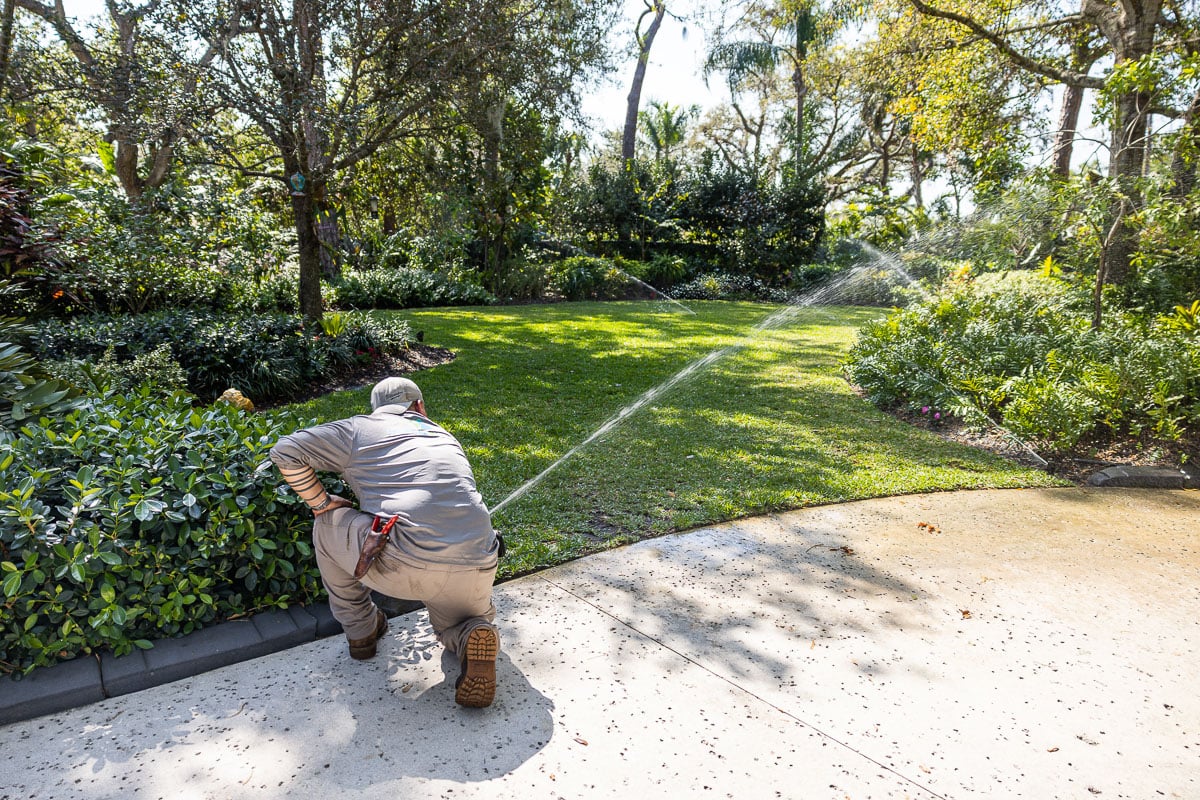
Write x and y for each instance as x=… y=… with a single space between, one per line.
x=89 y=679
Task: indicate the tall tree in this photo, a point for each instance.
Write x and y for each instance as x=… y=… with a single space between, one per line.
x=327 y=83
x=1135 y=35
x=655 y=10
x=147 y=91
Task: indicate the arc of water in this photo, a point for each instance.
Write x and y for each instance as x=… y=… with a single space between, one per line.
x=658 y=292
x=772 y=321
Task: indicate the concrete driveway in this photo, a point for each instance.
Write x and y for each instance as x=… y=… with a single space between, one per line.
x=1008 y=644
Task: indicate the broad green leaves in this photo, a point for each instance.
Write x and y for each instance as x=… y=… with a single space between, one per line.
x=137 y=517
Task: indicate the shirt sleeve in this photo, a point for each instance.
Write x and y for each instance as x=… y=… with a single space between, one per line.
x=325 y=447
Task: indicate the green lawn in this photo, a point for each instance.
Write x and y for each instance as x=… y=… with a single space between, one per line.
x=772 y=425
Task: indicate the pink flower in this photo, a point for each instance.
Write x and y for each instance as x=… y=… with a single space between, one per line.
x=924 y=409
x=937 y=415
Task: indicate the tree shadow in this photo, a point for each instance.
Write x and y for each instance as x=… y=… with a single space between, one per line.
x=308 y=717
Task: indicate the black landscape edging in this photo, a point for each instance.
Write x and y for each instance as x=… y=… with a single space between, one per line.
x=1129 y=477
x=89 y=679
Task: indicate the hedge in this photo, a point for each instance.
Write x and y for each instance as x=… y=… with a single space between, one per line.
x=139 y=517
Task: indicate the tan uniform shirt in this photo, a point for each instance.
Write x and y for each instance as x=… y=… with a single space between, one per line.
x=401 y=463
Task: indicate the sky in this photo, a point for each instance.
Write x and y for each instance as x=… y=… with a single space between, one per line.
x=674 y=74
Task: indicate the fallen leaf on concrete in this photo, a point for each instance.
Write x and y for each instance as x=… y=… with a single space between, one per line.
x=581 y=741
x=966 y=614
x=1052 y=750
x=406 y=687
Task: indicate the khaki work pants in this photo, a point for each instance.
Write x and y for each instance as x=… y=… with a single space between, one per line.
x=459 y=599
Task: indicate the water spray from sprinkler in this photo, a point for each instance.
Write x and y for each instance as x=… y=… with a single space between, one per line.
x=772 y=321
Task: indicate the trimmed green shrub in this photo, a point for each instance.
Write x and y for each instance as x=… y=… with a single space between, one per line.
x=405 y=288
x=139 y=517
x=1024 y=353
x=723 y=286
x=267 y=357
x=156 y=369
x=585 y=277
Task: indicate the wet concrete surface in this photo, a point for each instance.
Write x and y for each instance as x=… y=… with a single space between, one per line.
x=1008 y=644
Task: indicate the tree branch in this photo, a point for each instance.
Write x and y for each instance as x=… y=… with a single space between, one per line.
x=998 y=40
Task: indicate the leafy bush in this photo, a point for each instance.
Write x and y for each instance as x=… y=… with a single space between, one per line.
x=26 y=390
x=723 y=286
x=267 y=357
x=122 y=256
x=1024 y=353
x=28 y=171
x=405 y=288
x=137 y=517
x=586 y=277
x=274 y=291
x=156 y=369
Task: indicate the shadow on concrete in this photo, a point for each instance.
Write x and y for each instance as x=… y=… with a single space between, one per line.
x=308 y=716
x=753 y=606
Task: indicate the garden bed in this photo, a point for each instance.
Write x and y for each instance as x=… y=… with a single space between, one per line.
x=413 y=358
x=1076 y=465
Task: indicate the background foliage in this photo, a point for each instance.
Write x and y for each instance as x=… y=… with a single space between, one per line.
x=138 y=516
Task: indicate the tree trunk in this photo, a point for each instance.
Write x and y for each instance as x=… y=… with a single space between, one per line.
x=310 y=259
x=1129 y=131
x=126 y=157
x=494 y=197
x=1068 y=124
x=328 y=232
x=629 y=137
x=311 y=46
x=918 y=175
x=804 y=30
x=6 y=26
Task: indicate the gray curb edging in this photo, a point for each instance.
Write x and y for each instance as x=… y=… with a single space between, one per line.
x=85 y=680
x=1145 y=478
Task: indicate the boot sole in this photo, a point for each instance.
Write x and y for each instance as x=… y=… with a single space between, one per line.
x=476 y=687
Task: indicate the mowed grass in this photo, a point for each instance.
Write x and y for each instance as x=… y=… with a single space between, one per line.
x=771 y=425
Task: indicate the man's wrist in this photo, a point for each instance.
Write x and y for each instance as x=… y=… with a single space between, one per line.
x=321 y=506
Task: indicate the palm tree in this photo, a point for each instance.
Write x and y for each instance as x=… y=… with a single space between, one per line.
x=665 y=126
x=738 y=60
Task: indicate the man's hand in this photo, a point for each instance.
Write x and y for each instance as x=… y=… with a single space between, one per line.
x=334 y=502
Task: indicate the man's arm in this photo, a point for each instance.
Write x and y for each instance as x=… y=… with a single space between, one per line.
x=308 y=486
x=325 y=447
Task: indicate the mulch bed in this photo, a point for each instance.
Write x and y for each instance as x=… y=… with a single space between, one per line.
x=417 y=357
x=1076 y=465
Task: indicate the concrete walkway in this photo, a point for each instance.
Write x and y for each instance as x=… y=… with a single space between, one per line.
x=1008 y=644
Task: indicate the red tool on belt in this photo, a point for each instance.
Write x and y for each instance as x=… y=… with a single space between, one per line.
x=373 y=545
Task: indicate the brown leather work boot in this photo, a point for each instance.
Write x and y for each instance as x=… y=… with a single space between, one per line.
x=476 y=686
x=362 y=649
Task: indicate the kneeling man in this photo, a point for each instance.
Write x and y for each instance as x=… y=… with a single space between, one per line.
x=422 y=531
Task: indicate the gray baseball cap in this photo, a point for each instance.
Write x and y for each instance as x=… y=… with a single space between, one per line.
x=395 y=392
